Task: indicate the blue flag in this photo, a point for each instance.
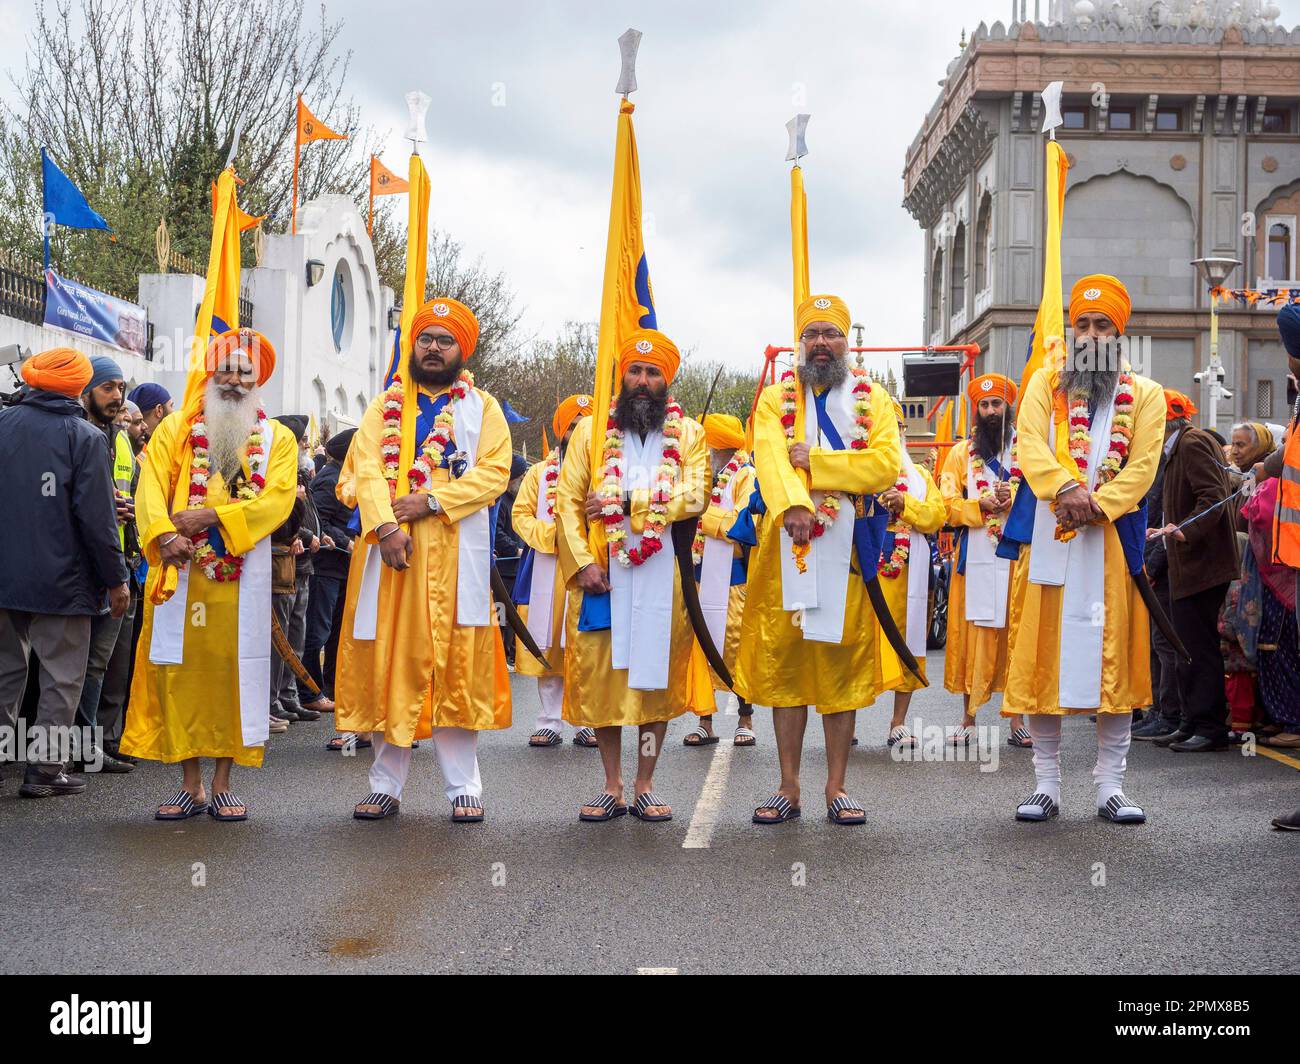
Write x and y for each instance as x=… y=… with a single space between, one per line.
x=64 y=203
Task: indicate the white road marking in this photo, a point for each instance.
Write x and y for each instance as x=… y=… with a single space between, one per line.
x=705 y=817
x=656 y=971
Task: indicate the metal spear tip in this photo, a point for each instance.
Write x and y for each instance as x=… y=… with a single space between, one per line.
x=1052 y=106
x=234 y=141
x=797 y=127
x=417 y=103
x=627 y=47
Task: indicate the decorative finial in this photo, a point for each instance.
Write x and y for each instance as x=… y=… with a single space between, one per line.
x=797 y=127
x=627 y=46
x=417 y=103
x=1052 y=108
x=962 y=42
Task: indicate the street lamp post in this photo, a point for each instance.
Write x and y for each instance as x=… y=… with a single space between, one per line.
x=1213 y=272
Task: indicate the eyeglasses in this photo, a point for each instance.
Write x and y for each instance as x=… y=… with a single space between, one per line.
x=426 y=340
x=809 y=336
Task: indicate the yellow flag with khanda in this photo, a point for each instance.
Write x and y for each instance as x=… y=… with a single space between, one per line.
x=800 y=286
x=627 y=302
x=1047 y=343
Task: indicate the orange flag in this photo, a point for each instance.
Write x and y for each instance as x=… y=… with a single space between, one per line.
x=312 y=128
x=383 y=182
x=243 y=219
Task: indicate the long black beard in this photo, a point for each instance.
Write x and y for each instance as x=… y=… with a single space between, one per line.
x=1096 y=385
x=641 y=410
x=992 y=435
x=434 y=379
x=821 y=375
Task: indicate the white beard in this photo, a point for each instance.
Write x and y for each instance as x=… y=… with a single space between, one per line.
x=229 y=424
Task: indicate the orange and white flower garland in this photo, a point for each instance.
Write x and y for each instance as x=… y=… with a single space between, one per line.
x=892 y=566
x=1121 y=432
x=829 y=507
x=434 y=448
x=551 y=479
x=611 y=489
x=993 y=523
x=724 y=478
x=223 y=569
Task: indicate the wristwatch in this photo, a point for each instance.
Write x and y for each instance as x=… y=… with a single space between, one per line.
x=434 y=508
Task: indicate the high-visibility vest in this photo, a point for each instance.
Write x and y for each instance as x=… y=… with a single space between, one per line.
x=123 y=467
x=1286 y=524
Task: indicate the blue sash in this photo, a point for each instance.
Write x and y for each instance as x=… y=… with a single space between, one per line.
x=523 y=588
x=743 y=531
x=429 y=409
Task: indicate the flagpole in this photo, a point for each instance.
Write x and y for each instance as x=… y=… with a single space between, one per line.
x=297 y=147
x=370 y=220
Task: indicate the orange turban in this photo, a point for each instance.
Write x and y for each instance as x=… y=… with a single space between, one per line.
x=991 y=385
x=63 y=370
x=1178 y=405
x=1100 y=293
x=251 y=342
x=830 y=309
x=722 y=432
x=568 y=412
x=653 y=348
x=453 y=316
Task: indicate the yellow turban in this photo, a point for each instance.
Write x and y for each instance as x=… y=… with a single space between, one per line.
x=823 y=308
x=898 y=409
x=653 y=348
x=1100 y=293
x=453 y=316
x=250 y=341
x=568 y=412
x=62 y=369
x=722 y=432
x=994 y=385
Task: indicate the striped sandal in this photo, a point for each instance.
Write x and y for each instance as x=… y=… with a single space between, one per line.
x=585 y=737
x=222 y=804
x=467 y=801
x=341 y=742
x=784 y=809
x=745 y=737
x=649 y=801
x=901 y=736
x=386 y=805
x=185 y=807
x=1019 y=737
x=1119 y=810
x=545 y=737
x=838 y=812
x=962 y=736
x=700 y=737
x=1038 y=807
x=610 y=809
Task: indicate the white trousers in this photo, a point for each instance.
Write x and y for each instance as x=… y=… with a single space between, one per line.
x=1113 y=737
x=457 y=750
x=550 y=692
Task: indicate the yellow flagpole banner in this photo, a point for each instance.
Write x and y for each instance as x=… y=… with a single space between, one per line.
x=1049 y=326
x=417 y=267
x=801 y=290
x=627 y=302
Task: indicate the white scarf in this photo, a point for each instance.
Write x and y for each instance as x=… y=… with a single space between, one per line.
x=253 y=654
x=641 y=597
x=988 y=577
x=474 y=547
x=715 y=572
x=541 y=589
x=820 y=593
x=1078 y=566
x=918 y=568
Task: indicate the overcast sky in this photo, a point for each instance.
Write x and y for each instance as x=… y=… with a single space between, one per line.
x=526 y=185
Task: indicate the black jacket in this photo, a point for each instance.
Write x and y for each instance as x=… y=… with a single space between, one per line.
x=59 y=549
x=334 y=518
x=1195 y=480
x=1156 y=557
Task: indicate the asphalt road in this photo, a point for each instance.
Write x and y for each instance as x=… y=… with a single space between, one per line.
x=940 y=880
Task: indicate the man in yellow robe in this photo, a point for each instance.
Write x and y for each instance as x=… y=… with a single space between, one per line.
x=979 y=483
x=628 y=640
x=534 y=520
x=1090 y=438
x=918 y=511
x=217 y=479
x=809 y=635
x=720 y=567
x=420 y=654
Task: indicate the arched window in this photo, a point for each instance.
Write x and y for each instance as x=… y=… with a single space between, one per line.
x=1279 y=252
x=319 y=386
x=936 y=290
x=957 y=280
x=983 y=264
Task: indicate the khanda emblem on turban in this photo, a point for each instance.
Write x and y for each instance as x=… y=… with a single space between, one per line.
x=986 y=386
x=821 y=304
x=583 y=402
x=441 y=309
x=1092 y=293
x=644 y=346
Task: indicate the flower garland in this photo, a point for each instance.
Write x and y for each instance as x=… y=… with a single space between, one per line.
x=724 y=478
x=892 y=566
x=829 y=507
x=1121 y=432
x=551 y=479
x=222 y=569
x=611 y=489
x=431 y=453
x=993 y=523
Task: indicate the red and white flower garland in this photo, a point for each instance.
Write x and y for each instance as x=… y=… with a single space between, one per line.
x=829 y=507
x=719 y=486
x=611 y=489
x=551 y=479
x=892 y=566
x=1121 y=432
x=223 y=569
x=993 y=523
x=430 y=455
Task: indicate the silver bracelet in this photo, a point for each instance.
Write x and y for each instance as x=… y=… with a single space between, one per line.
x=395 y=528
x=164 y=543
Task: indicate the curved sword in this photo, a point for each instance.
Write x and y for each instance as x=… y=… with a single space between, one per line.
x=502 y=595
x=886 y=621
x=1148 y=596
x=683 y=537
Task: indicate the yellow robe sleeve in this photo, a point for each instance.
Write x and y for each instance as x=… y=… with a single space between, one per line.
x=866 y=471
x=368 y=484
x=1131 y=484
x=570 y=503
x=154 y=491
x=783 y=489
x=962 y=512
x=246 y=522
x=538 y=534
x=1034 y=452
x=925 y=515
x=717 y=522
x=489 y=477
